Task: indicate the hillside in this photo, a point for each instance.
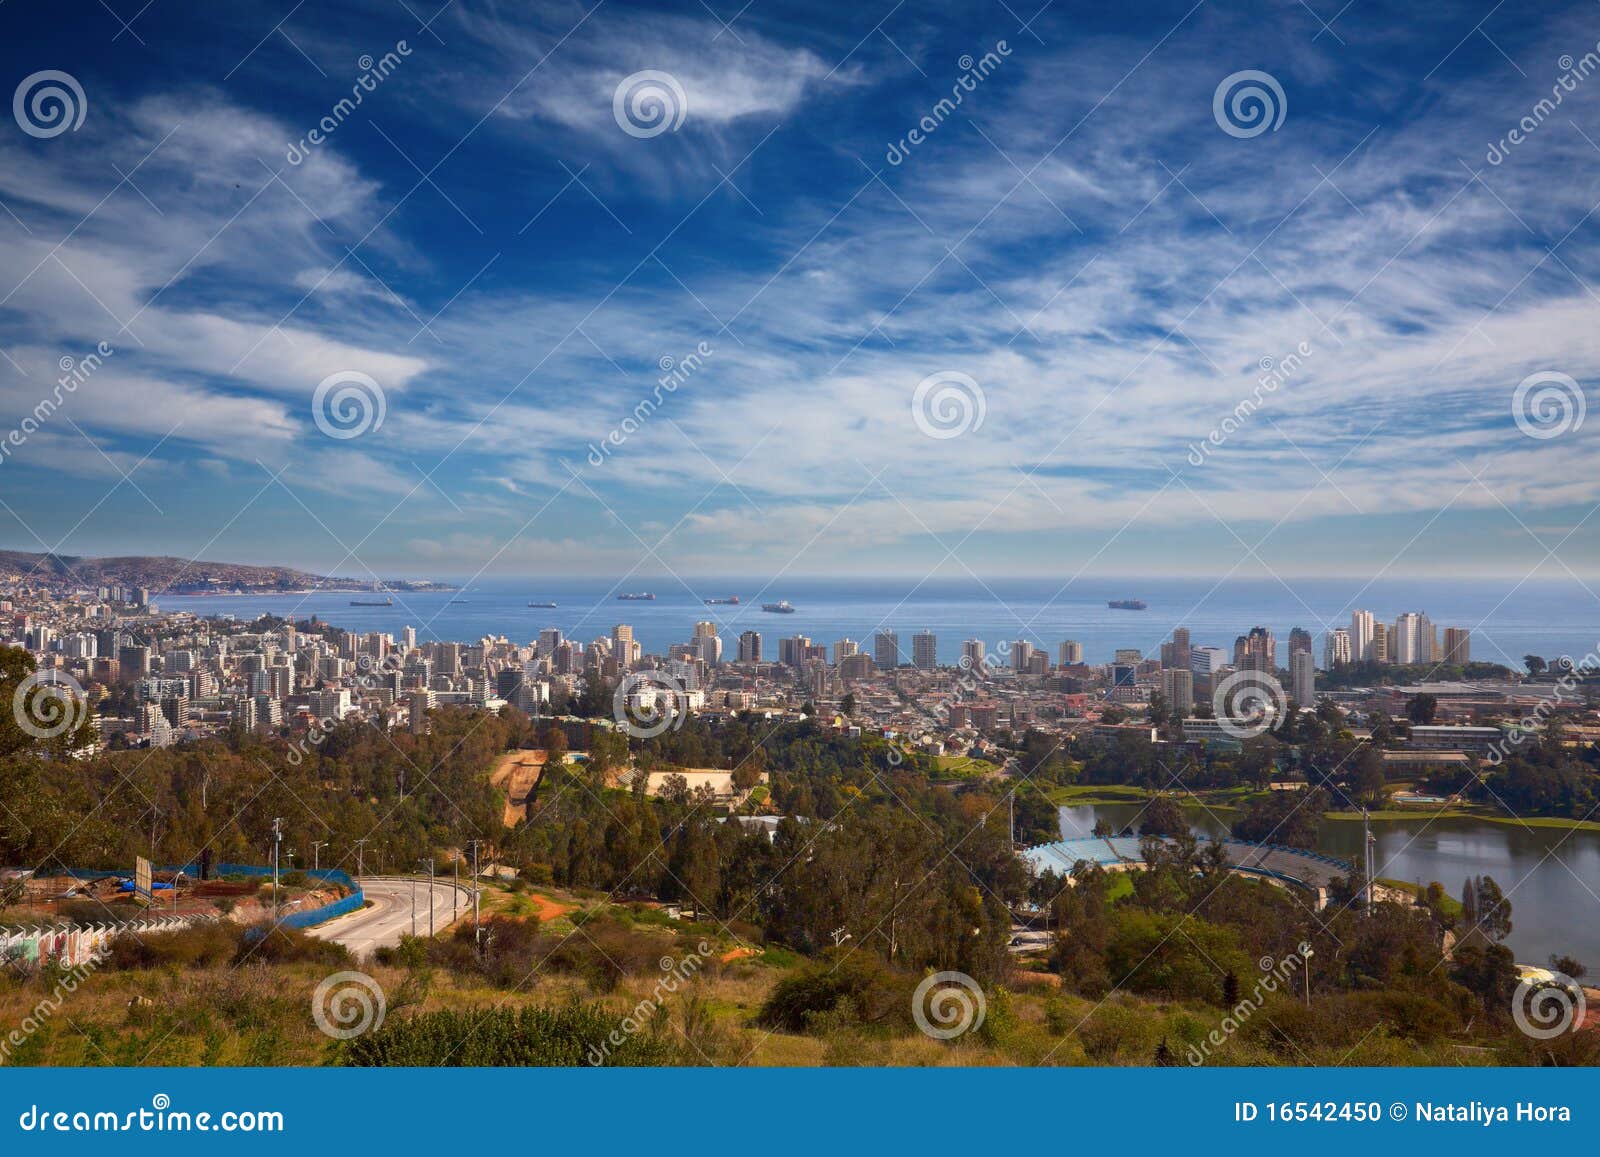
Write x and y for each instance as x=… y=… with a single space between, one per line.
x=179 y=575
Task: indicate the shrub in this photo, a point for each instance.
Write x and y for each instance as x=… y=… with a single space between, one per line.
x=578 y=1034
x=202 y=946
x=869 y=991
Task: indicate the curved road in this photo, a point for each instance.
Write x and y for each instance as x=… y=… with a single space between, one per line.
x=388 y=914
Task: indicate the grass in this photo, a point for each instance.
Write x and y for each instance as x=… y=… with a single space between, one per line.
x=963 y=767
x=1235 y=798
x=261 y=1015
x=1450 y=905
x=1218 y=799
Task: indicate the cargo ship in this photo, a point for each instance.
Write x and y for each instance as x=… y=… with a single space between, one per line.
x=730 y=601
x=779 y=608
x=1126 y=604
x=642 y=597
x=372 y=602
x=544 y=606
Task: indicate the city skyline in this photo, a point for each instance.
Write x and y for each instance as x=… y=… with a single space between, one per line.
x=1175 y=371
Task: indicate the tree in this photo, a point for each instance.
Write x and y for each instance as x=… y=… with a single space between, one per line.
x=1159 y=711
x=1494 y=910
x=847 y=705
x=1289 y=818
x=1534 y=664
x=1567 y=966
x=1422 y=708
x=1163 y=817
x=52 y=715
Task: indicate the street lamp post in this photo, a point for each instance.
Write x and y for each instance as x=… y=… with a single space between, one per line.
x=277 y=842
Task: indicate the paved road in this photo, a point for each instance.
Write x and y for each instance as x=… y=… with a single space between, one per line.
x=388 y=916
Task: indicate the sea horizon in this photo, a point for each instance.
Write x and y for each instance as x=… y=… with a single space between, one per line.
x=1548 y=617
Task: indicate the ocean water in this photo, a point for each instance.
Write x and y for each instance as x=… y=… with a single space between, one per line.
x=1549 y=618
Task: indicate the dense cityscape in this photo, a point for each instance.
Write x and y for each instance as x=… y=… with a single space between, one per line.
x=158 y=678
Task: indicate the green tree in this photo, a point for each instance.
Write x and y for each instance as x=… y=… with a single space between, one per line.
x=1422 y=708
x=1163 y=817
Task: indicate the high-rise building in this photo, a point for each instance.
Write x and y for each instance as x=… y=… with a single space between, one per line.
x=857 y=666
x=1302 y=678
x=1021 y=655
x=1256 y=651
x=1412 y=639
x=1362 y=629
x=1457 y=646
x=1128 y=655
x=624 y=648
x=886 y=649
x=1071 y=653
x=795 y=651
x=750 y=647
x=1337 y=647
x=1176 y=653
x=972 y=654
x=1380 y=642
x=1206 y=662
x=1177 y=688
x=843 y=649
x=925 y=650
x=1299 y=644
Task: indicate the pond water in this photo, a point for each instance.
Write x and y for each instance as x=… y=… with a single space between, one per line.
x=1551 y=876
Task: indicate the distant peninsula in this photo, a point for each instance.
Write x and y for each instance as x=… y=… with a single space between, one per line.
x=181 y=576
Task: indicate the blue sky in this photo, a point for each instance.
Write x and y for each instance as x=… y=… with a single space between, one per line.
x=1081 y=250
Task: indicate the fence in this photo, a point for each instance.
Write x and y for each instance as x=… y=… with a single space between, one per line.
x=79 y=945
x=73 y=946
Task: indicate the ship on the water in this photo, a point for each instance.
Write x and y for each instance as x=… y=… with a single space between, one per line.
x=1126 y=604
x=544 y=606
x=778 y=608
x=642 y=597
x=730 y=601
x=372 y=602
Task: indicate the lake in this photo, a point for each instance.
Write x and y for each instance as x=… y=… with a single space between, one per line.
x=1551 y=876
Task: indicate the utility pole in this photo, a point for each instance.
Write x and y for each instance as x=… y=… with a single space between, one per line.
x=477 y=927
x=277 y=842
x=360 y=844
x=1369 y=862
x=1307 y=962
x=413 y=905
x=316 y=854
x=431 y=904
x=455 y=891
